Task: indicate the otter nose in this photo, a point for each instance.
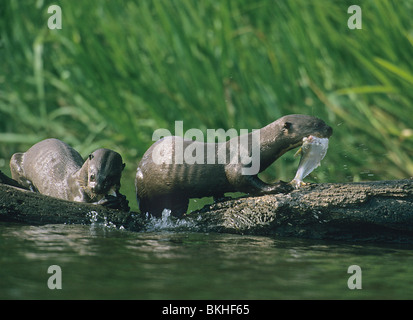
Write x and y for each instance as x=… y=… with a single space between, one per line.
x=329 y=131
x=97 y=189
x=101 y=186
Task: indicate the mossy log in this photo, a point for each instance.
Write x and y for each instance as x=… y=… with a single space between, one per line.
x=379 y=211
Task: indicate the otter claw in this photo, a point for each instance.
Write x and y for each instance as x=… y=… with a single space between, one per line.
x=298 y=184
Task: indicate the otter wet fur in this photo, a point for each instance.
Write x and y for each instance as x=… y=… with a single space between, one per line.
x=170 y=185
x=53 y=168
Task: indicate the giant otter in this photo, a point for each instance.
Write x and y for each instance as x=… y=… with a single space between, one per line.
x=53 y=168
x=170 y=185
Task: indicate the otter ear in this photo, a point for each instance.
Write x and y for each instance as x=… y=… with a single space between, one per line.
x=287 y=125
x=123 y=166
x=90 y=156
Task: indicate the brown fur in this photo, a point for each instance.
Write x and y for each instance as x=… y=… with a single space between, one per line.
x=170 y=186
x=53 y=168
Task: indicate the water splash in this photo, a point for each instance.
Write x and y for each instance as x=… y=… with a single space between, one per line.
x=153 y=224
x=92 y=216
x=170 y=223
x=96 y=219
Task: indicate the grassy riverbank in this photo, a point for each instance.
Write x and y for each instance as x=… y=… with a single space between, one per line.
x=118 y=70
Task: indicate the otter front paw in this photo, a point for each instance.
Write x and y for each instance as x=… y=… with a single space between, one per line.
x=283 y=187
x=119 y=202
x=123 y=202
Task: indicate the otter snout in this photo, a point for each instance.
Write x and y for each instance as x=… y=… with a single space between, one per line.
x=99 y=188
x=104 y=187
x=329 y=131
x=96 y=189
x=322 y=130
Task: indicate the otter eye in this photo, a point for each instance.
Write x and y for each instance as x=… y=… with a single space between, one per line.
x=92 y=177
x=287 y=125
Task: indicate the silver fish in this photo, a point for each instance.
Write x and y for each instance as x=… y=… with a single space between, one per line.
x=312 y=152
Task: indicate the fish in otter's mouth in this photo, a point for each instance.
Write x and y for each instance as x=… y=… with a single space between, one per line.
x=312 y=151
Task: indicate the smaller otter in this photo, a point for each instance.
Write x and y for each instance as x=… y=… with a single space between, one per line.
x=171 y=185
x=53 y=168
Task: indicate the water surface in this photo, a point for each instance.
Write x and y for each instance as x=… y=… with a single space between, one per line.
x=102 y=262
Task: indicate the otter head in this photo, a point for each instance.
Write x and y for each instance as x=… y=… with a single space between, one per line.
x=104 y=172
x=295 y=127
x=287 y=133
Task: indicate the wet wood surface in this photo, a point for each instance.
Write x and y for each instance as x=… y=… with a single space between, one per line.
x=379 y=211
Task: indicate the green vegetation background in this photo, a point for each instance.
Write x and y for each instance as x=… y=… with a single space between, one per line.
x=118 y=70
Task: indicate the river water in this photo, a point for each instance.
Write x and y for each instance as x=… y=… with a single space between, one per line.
x=99 y=261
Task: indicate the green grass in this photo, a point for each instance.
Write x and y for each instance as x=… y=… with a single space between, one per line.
x=118 y=70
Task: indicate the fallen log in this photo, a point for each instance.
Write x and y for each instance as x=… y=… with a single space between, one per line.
x=21 y=205
x=379 y=211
